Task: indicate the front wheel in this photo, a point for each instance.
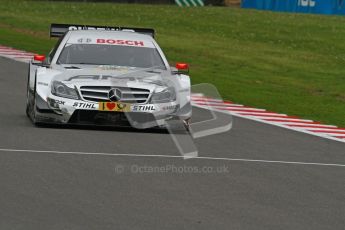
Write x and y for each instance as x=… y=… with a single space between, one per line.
x=179 y=126
x=28 y=107
x=31 y=109
x=187 y=124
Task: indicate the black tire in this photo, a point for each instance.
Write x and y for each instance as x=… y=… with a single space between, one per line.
x=31 y=109
x=34 y=119
x=27 y=110
x=187 y=124
x=179 y=126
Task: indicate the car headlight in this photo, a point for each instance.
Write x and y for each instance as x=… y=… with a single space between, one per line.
x=61 y=90
x=167 y=95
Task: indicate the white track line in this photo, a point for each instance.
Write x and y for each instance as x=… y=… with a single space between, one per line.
x=177 y=157
x=254 y=114
x=278 y=119
x=219 y=104
x=282 y=125
x=238 y=109
x=288 y=120
x=306 y=126
x=336 y=134
x=208 y=100
x=327 y=130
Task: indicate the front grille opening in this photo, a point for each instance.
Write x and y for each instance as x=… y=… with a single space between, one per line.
x=90 y=117
x=100 y=94
x=99 y=118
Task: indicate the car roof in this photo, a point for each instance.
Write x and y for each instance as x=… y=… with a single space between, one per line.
x=94 y=34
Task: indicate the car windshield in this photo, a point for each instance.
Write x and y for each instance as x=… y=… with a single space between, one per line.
x=92 y=54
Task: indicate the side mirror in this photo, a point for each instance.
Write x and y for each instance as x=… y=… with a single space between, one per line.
x=39 y=58
x=182 y=67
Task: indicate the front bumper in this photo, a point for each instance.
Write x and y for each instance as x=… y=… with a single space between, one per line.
x=66 y=111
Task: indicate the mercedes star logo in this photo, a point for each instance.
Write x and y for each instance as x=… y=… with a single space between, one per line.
x=115 y=94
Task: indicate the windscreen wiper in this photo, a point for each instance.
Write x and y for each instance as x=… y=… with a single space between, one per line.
x=84 y=63
x=71 y=67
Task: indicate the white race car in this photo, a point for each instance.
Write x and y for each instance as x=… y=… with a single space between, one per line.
x=113 y=76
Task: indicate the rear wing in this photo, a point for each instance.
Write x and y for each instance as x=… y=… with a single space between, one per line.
x=58 y=30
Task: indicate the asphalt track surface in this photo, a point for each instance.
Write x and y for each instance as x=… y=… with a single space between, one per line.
x=84 y=178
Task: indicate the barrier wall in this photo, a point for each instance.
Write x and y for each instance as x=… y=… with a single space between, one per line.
x=299 y=6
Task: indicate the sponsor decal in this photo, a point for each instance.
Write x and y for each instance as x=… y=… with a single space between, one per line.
x=114 y=67
x=82 y=105
x=306 y=3
x=55 y=103
x=120 y=42
x=111 y=41
x=84 y=40
x=169 y=107
x=143 y=108
x=59 y=102
x=114 y=106
x=91 y=28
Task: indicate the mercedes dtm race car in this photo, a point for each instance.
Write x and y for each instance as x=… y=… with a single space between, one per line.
x=106 y=76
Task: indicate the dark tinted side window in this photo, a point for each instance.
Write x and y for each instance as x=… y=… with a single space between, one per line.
x=53 y=51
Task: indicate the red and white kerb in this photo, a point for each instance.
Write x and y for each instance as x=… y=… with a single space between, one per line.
x=261 y=115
